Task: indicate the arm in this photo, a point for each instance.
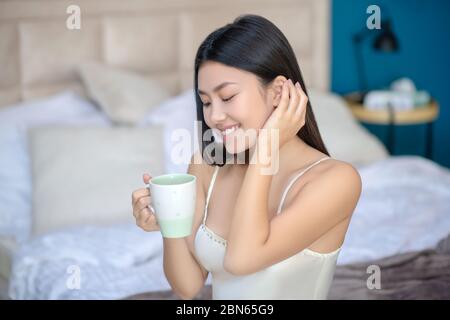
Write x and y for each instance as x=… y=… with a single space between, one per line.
x=183 y=272
x=255 y=242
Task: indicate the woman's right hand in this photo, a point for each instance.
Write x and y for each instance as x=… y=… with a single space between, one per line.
x=141 y=200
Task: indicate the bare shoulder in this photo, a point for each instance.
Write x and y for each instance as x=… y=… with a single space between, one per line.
x=196 y=163
x=340 y=169
x=339 y=175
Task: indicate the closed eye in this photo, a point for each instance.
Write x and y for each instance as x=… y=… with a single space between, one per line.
x=228 y=98
x=225 y=100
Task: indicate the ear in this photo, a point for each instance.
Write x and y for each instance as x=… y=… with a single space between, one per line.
x=275 y=86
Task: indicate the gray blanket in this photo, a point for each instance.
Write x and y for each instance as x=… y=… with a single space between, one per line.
x=414 y=275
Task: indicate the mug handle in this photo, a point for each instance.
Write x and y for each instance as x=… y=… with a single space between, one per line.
x=150 y=206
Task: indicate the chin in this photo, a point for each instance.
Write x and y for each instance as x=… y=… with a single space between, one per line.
x=237 y=147
x=238 y=144
x=234 y=149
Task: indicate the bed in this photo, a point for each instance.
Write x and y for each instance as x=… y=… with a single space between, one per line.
x=83 y=115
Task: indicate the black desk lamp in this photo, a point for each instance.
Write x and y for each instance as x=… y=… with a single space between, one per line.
x=385 y=41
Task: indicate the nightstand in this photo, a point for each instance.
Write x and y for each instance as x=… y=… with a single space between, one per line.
x=426 y=114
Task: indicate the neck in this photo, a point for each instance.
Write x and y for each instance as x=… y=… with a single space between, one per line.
x=294 y=148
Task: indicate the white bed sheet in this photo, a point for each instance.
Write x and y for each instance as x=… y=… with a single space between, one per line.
x=404 y=206
x=111 y=262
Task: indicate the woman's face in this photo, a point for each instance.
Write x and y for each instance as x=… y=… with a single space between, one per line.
x=233 y=97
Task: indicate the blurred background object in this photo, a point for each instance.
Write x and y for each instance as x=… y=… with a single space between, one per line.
x=421 y=29
x=384 y=41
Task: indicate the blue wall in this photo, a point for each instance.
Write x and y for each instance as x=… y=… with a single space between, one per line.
x=423 y=30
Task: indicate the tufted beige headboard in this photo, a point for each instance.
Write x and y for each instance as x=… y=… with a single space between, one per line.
x=38 y=53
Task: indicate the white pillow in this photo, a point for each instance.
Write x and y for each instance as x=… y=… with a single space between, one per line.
x=123 y=95
x=86 y=175
x=15 y=174
x=175 y=114
x=344 y=137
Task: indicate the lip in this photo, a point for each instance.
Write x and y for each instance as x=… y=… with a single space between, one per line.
x=227 y=127
x=226 y=137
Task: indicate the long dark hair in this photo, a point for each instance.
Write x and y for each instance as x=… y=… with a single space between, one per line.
x=254 y=44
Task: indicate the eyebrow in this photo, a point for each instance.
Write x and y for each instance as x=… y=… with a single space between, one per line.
x=217 y=88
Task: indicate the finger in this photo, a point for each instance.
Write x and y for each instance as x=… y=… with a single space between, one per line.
x=136 y=195
x=151 y=221
x=137 y=211
x=140 y=193
x=293 y=97
x=151 y=225
x=303 y=100
x=143 y=215
x=146 y=177
x=300 y=91
x=138 y=208
x=284 y=100
x=143 y=202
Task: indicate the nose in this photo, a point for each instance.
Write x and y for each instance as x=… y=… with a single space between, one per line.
x=217 y=115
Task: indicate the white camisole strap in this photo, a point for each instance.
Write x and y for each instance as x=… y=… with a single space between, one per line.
x=211 y=184
x=216 y=170
x=295 y=178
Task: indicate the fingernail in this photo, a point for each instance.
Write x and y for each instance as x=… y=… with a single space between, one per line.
x=290 y=80
x=297 y=85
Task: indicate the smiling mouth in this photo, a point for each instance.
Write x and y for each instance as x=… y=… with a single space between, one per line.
x=229 y=131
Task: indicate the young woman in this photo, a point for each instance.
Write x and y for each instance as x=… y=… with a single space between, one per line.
x=261 y=236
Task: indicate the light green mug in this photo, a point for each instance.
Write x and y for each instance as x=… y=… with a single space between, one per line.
x=173 y=201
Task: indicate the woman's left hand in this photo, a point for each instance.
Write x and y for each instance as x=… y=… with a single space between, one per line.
x=289 y=116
